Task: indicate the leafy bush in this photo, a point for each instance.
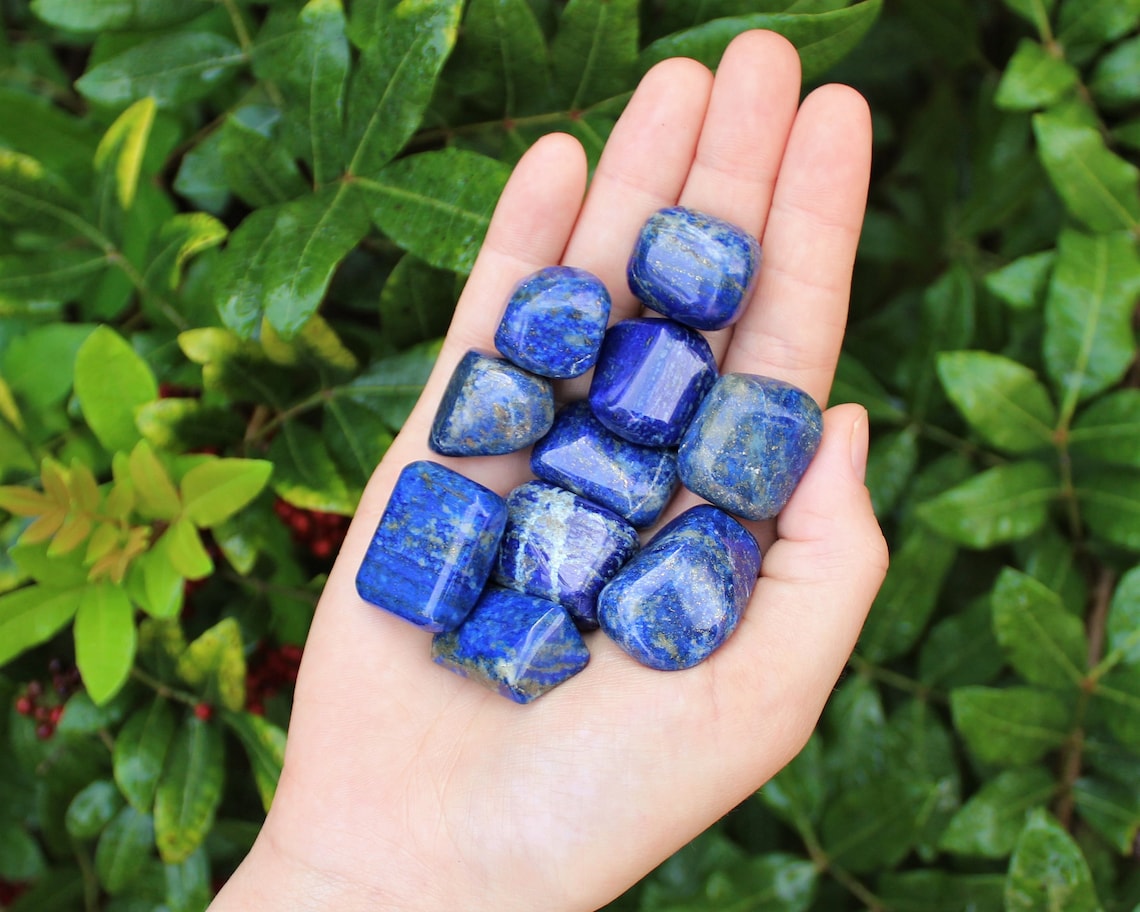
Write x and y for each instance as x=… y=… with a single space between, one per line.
x=235 y=231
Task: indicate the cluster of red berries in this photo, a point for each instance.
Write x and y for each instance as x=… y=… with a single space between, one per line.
x=321 y=533
x=47 y=708
x=270 y=671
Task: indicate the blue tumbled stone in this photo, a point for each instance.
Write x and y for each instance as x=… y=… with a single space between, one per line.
x=517 y=644
x=750 y=444
x=582 y=455
x=680 y=598
x=650 y=377
x=491 y=407
x=434 y=548
x=561 y=547
x=694 y=268
x=554 y=322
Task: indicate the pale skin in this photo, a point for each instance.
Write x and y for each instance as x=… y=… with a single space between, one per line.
x=408 y=788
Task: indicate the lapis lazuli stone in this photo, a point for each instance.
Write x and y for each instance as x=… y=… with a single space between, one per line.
x=434 y=548
x=561 y=547
x=491 y=407
x=554 y=322
x=683 y=595
x=694 y=268
x=750 y=444
x=517 y=644
x=582 y=455
x=650 y=377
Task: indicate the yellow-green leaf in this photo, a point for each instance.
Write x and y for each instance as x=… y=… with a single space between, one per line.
x=32 y=615
x=111 y=381
x=264 y=744
x=183 y=548
x=216 y=490
x=119 y=156
x=105 y=640
x=215 y=662
x=189 y=790
x=157 y=496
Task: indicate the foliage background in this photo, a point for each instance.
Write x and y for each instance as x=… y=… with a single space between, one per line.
x=235 y=230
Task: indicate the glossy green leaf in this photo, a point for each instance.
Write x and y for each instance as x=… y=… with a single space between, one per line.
x=1123 y=624
x=821 y=38
x=594 y=52
x=871 y=827
x=393 y=85
x=502 y=60
x=181 y=238
x=1043 y=642
x=98 y=15
x=279 y=261
x=1084 y=25
x=33 y=197
x=124 y=850
x=1108 y=430
x=189 y=790
x=258 y=168
x=111 y=381
x=855 y=383
x=1110 y=808
x=961 y=649
x=999 y=398
x=105 y=640
x=33 y=615
x=416 y=302
x=1021 y=284
x=437 y=205
x=891 y=462
x=940 y=891
x=264 y=744
x=1098 y=187
x=1048 y=871
x=163 y=585
x=139 y=755
x=1110 y=504
x=305 y=474
x=1034 y=78
x=989 y=823
x=217 y=489
x=173 y=69
x=21 y=857
x=1035 y=11
x=61 y=275
x=235 y=367
x=215 y=661
x=181 y=546
x=1002 y=504
x=119 y=159
x=1114 y=83
x=1010 y=726
x=797 y=792
x=201 y=178
x=93 y=808
x=189 y=887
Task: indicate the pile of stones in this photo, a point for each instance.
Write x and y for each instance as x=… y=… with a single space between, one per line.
x=508 y=586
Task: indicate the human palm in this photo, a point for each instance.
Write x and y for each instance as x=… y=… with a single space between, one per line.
x=406 y=787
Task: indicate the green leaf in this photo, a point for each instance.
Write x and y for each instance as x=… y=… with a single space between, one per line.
x=393 y=85
x=1110 y=504
x=823 y=39
x=939 y=891
x=60 y=889
x=989 y=823
x=797 y=792
x=1044 y=643
x=124 y=850
x=33 y=197
x=1048 y=871
x=33 y=615
x=416 y=303
x=279 y=261
x=258 y=168
x=437 y=205
x=1002 y=504
x=112 y=381
x=215 y=662
x=163 y=585
x=1021 y=284
x=1108 y=430
x=215 y=490
x=961 y=649
x=181 y=546
x=21 y=858
x=1111 y=809
x=502 y=61
x=1113 y=82
x=855 y=383
x=190 y=789
x=321 y=56
x=1034 y=78
x=140 y=752
x=92 y=809
x=595 y=51
x=100 y=15
x=1097 y=186
x=181 y=237
x=305 y=474
x=1035 y=11
x=119 y=158
x=891 y=463
x=189 y=887
x=1011 y=726
x=1084 y=25
x=1123 y=625
x=264 y=744
x=156 y=496
x=105 y=640
x=872 y=827
x=999 y=398
x=173 y=70
x=60 y=276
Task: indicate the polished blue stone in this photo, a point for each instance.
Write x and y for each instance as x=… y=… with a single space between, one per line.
x=680 y=598
x=561 y=547
x=517 y=644
x=694 y=268
x=491 y=407
x=584 y=456
x=554 y=322
x=650 y=377
x=434 y=548
x=750 y=444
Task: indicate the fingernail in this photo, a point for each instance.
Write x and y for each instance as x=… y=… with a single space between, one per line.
x=859 y=444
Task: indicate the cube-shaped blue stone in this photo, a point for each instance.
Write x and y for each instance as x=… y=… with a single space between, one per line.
x=584 y=456
x=491 y=407
x=675 y=603
x=434 y=548
x=561 y=547
x=516 y=644
x=554 y=322
x=750 y=444
x=650 y=377
x=694 y=268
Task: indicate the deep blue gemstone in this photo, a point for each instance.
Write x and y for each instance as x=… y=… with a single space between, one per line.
x=434 y=548
x=561 y=547
x=750 y=444
x=554 y=322
x=491 y=407
x=694 y=268
x=582 y=455
x=650 y=378
x=517 y=644
x=680 y=598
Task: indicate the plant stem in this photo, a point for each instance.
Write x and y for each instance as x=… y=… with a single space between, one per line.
x=899 y=681
x=163 y=690
x=90 y=878
x=850 y=883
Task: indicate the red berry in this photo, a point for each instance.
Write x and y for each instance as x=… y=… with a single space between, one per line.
x=42 y=713
x=55 y=715
x=290 y=653
x=321 y=548
x=256 y=708
x=25 y=706
x=204 y=711
x=45 y=730
x=301 y=524
x=35 y=689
